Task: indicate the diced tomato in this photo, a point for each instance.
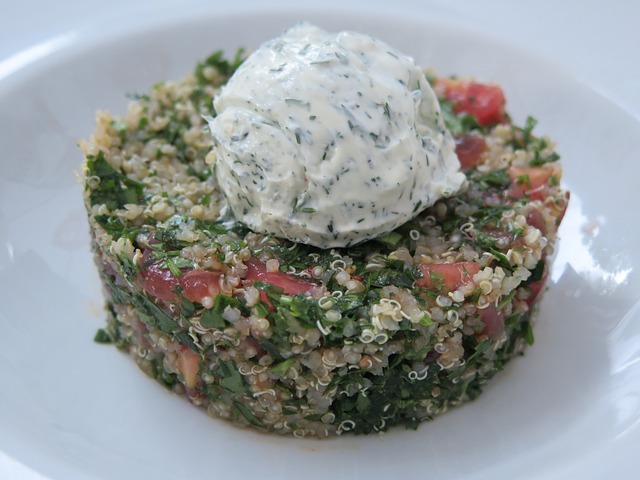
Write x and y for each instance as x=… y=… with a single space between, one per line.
x=532 y=182
x=469 y=149
x=188 y=366
x=535 y=219
x=198 y=283
x=482 y=101
x=493 y=322
x=537 y=287
x=449 y=276
x=257 y=271
x=161 y=282
x=158 y=282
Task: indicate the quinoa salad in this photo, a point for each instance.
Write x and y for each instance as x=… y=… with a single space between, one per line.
x=293 y=339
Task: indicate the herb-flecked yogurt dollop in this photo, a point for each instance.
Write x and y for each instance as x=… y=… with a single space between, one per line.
x=330 y=139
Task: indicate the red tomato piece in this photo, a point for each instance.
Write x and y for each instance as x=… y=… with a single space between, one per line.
x=449 y=276
x=198 y=283
x=188 y=366
x=158 y=282
x=482 y=101
x=529 y=181
x=493 y=322
x=257 y=271
x=161 y=282
x=535 y=219
x=537 y=287
x=469 y=149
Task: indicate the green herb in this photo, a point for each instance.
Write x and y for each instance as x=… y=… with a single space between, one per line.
x=523 y=138
x=390 y=239
x=148 y=311
x=436 y=279
x=502 y=259
x=275 y=346
x=528 y=333
x=161 y=375
x=524 y=180
x=217 y=61
x=222 y=301
x=246 y=413
x=348 y=303
x=426 y=321
x=387 y=110
x=537 y=273
x=173 y=133
x=527 y=131
x=458 y=123
x=261 y=309
x=212 y=319
x=215 y=228
x=138 y=96
x=173 y=268
x=115 y=189
x=330 y=226
x=485 y=240
x=229 y=377
x=512 y=320
x=187 y=307
x=120 y=127
x=185 y=339
x=129 y=269
x=202 y=175
x=117 y=227
x=102 y=337
x=281 y=369
x=395 y=274
x=479 y=350
x=539 y=160
x=495 y=178
x=506 y=299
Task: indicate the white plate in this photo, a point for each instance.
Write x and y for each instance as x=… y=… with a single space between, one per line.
x=73 y=409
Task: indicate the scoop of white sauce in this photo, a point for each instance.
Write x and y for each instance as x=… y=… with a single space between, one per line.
x=330 y=139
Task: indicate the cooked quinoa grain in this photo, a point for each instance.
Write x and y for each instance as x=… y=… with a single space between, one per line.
x=293 y=339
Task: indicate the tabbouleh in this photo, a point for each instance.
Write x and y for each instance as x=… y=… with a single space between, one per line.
x=292 y=339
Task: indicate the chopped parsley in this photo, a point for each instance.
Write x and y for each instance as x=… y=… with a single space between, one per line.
x=114 y=188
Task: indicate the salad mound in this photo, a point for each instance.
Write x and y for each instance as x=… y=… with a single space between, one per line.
x=289 y=338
